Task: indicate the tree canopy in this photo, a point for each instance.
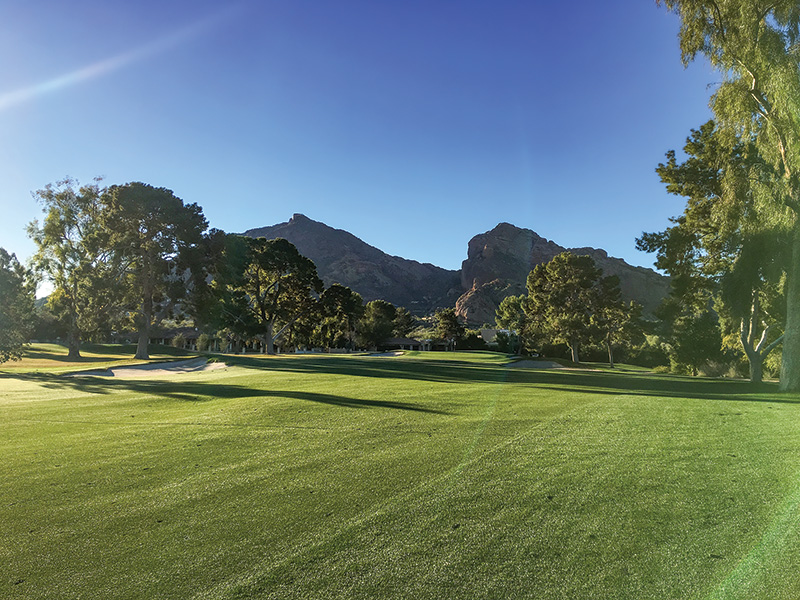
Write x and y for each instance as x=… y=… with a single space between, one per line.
x=448 y=328
x=340 y=309
x=17 y=291
x=510 y=315
x=723 y=250
x=569 y=301
x=73 y=253
x=276 y=287
x=152 y=232
x=754 y=44
x=377 y=324
x=404 y=322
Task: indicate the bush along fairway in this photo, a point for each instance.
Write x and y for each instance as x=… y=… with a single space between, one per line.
x=422 y=476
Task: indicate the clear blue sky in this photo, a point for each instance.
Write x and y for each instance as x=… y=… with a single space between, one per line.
x=415 y=125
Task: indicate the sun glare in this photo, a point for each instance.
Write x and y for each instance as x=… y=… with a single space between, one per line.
x=115 y=63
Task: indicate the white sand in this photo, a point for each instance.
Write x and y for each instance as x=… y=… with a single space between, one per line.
x=154 y=369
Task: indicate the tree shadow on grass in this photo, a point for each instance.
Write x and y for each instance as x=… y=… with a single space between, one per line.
x=43 y=355
x=423 y=369
x=199 y=391
x=105 y=353
x=646 y=384
x=634 y=383
x=432 y=370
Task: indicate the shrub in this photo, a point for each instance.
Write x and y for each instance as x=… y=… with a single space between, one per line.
x=204 y=342
x=471 y=341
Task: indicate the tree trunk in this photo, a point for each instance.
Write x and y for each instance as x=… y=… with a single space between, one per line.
x=573 y=347
x=73 y=346
x=790 y=359
x=746 y=334
x=268 y=337
x=74 y=338
x=756 y=368
x=610 y=354
x=754 y=359
x=142 y=350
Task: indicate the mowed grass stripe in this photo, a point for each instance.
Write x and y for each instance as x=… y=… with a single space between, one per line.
x=112 y=396
x=535 y=524
x=361 y=477
x=430 y=493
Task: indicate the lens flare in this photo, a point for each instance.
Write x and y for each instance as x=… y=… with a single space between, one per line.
x=115 y=63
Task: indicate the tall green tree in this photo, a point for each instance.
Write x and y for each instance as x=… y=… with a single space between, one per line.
x=570 y=302
x=754 y=321
x=74 y=254
x=617 y=321
x=448 y=327
x=17 y=290
x=696 y=341
x=153 y=232
x=205 y=263
x=340 y=309
x=377 y=324
x=223 y=309
x=276 y=288
x=510 y=315
x=562 y=299
x=724 y=249
x=754 y=45
x=404 y=322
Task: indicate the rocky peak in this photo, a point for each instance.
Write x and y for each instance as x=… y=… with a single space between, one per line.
x=498 y=263
x=506 y=253
x=341 y=257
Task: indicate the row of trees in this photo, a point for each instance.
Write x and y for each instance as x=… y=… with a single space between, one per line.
x=724 y=307
x=726 y=256
x=737 y=245
x=265 y=289
x=17 y=289
x=127 y=257
x=118 y=256
x=570 y=302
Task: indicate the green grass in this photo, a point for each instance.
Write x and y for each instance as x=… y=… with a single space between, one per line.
x=53 y=358
x=423 y=476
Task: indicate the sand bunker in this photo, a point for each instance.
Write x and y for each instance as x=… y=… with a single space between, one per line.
x=154 y=369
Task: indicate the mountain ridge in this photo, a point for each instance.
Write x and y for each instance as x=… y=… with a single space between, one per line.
x=344 y=258
x=497 y=265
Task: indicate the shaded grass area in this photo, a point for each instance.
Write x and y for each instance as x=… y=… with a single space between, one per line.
x=426 y=476
x=53 y=358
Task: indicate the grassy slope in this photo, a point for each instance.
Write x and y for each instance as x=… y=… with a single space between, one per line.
x=52 y=358
x=335 y=476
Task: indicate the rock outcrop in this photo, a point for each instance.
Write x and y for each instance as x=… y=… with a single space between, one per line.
x=498 y=263
x=497 y=266
x=343 y=258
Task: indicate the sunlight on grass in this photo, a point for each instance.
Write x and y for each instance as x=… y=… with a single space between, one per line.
x=430 y=475
x=53 y=358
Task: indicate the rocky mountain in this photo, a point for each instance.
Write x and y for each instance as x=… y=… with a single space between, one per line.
x=498 y=263
x=342 y=258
